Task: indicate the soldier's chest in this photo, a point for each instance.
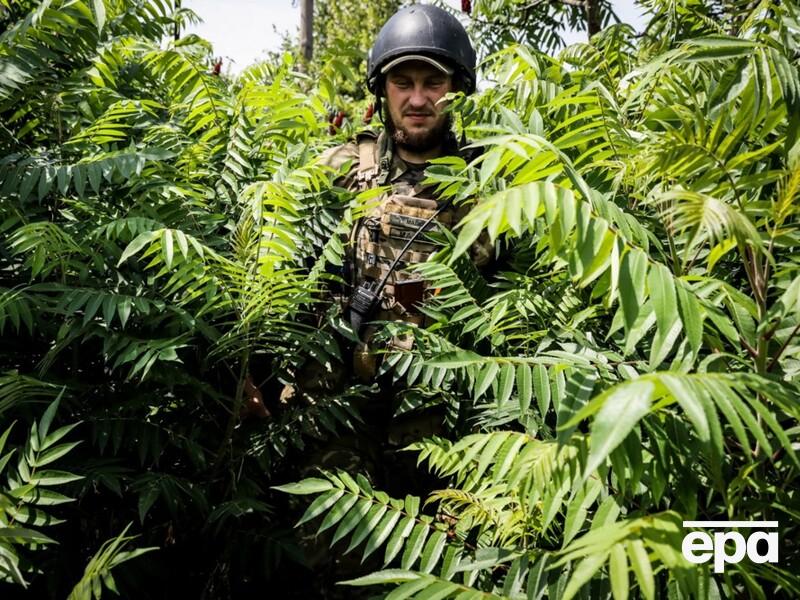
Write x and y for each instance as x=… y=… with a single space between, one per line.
x=397 y=227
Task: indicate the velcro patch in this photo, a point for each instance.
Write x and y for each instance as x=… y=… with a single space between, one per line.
x=410 y=222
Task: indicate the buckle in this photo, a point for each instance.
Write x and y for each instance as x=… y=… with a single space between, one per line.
x=367 y=174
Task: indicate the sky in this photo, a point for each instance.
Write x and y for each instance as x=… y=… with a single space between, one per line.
x=241 y=31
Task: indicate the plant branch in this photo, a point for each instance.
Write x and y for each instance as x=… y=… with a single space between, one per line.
x=783 y=347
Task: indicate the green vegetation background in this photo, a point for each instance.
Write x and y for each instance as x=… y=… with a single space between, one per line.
x=166 y=239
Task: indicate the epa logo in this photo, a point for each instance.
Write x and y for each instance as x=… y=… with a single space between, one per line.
x=699 y=546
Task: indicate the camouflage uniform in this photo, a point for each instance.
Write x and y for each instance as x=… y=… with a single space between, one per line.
x=383 y=235
x=389 y=238
x=385 y=168
x=384 y=243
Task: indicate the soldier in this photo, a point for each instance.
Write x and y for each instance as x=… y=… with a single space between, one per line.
x=421 y=54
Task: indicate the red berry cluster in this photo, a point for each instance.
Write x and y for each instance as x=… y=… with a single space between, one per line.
x=368 y=114
x=335 y=119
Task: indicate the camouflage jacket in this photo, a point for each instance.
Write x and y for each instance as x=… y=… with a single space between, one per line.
x=405 y=180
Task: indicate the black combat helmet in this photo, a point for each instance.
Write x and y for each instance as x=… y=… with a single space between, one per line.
x=423 y=32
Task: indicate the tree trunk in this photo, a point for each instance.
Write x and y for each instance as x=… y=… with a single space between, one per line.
x=306 y=28
x=177 y=32
x=592 y=9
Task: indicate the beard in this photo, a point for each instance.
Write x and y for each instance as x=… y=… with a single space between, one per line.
x=421 y=141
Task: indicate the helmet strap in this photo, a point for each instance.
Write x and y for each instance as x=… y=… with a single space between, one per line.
x=379 y=106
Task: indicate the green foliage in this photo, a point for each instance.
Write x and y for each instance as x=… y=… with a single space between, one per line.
x=26 y=492
x=344 y=31
x=367 y=516
x=156 y=221
x=496 y=24
x=631 y=359
x=98 y=572
x=634 y=362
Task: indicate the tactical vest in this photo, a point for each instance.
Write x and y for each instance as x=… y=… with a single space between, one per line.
x=380 y=237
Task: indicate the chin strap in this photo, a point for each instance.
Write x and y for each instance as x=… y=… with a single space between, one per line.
x=379 y=108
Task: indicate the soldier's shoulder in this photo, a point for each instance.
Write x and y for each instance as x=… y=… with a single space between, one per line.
x=338 y=155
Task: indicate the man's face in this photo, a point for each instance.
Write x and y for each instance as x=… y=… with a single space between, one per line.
x=416 y=121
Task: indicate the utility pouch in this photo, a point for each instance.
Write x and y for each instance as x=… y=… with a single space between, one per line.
x=409 y=292
x=373 y=229
x=412 y=205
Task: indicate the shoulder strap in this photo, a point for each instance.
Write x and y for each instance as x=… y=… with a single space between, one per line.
x=368 y=164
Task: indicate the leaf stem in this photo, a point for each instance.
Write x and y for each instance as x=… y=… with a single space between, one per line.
x=783 y=347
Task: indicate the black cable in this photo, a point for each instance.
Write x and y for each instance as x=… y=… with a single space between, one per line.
x=410 y=241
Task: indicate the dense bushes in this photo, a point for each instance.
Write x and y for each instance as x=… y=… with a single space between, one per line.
x=167 y=239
